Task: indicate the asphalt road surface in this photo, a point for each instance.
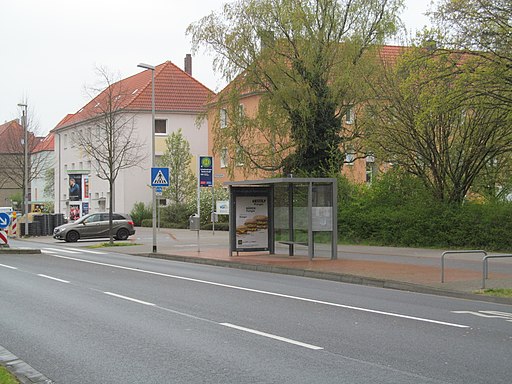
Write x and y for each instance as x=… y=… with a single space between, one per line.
x=86 y=316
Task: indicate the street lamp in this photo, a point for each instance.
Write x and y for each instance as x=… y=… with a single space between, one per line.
x=25 y=155
x=152 y=68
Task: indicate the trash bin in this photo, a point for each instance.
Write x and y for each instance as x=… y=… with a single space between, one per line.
x=194 y=223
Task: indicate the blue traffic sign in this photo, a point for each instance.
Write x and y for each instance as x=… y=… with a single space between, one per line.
x=5 y=220
x=159 y=177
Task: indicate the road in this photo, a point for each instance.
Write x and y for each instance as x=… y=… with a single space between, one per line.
x=84 y=316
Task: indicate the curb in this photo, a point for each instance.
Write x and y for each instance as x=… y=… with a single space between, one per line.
x=20 y=251
x=339 y=277
x=23 y=372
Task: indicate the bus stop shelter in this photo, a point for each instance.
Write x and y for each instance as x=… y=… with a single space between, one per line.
x=292 y=211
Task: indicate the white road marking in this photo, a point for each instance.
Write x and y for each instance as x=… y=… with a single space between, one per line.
x=62 y=250
x=488 y=314
x=86 y=251
x=53 y=278
x=270 y=293
x=7 y=266
x=270 y=336
x=129 y=299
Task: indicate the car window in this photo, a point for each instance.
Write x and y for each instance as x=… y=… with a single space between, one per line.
x=117 y=216
x=92 y=219
x=104 y=217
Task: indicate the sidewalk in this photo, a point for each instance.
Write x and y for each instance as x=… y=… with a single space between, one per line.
x=411 y=269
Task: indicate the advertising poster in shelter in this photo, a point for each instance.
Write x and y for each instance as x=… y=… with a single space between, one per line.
x=252 y=222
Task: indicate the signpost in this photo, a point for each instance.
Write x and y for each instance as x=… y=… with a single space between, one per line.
x=5 y=220
x=159 y=177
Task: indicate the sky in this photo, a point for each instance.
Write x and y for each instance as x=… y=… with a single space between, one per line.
x=50 y=49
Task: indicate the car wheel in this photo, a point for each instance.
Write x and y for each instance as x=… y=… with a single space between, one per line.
x=122 y=234
x=72 y=237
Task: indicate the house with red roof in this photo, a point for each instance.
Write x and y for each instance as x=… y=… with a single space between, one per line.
x=179 y=100
x=12 y=160
x=227 y=161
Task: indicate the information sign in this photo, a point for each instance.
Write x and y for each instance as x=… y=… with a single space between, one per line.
x=205 y=171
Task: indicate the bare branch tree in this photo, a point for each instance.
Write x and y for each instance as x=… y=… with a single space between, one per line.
x=108 y=135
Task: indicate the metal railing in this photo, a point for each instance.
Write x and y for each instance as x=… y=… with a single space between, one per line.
x=485 y=272
x=456 y=252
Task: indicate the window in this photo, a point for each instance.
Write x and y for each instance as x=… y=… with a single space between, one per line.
x=350 y=156
x=241 y=111
x=223 y=118
x=224 y=158
x=371 y=168
x=160 y=126
x=349 y=115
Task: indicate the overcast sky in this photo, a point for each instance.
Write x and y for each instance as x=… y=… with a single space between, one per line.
x=50 y=49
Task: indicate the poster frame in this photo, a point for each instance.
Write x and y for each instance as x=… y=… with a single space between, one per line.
x=255 y=192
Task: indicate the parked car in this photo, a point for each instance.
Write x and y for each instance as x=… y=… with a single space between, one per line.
x=95 y=225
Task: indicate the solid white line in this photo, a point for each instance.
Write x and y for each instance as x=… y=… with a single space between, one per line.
x=270 y=336
x=62 y=250
x=129 y=299
x=271 y=293
x=7 y=266
x=53 y=278
x=86 y=251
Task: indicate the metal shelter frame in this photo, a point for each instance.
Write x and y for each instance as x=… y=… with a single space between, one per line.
x=329 y=223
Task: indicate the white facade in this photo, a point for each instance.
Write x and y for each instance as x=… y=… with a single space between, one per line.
x=45 y=161
x=133 y=184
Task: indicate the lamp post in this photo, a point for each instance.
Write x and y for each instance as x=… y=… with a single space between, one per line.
x=152 y=68
x=25 y=171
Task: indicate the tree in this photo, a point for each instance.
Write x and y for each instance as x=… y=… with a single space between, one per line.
x=426 y=119
x=177 y=158
x=108 y=137
x=305 y=59
x=49 y=182
x=482 y=29
x=12 y=159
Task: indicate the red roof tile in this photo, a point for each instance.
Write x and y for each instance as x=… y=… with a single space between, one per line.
x=175 y=91
x=46 y=144
x=11 y=138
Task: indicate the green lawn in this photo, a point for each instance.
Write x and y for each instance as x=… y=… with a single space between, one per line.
x=501 y=292
x=6 y=377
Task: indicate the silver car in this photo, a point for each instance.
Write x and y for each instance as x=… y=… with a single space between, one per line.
x=95 y=225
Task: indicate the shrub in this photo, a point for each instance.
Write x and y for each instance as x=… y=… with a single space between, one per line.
x=141 y=212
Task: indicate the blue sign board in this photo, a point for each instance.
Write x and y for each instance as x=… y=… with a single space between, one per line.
x=5 y=220
x=159 y=177
x=205 y=171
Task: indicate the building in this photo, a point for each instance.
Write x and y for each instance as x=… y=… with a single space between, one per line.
x=43 y=154
x=12 y=161
x=229 y=164
x=179 y=101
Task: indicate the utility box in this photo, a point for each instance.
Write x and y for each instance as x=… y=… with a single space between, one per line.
x=194 y=222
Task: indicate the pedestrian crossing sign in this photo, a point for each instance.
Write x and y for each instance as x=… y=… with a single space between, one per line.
x=159 y=177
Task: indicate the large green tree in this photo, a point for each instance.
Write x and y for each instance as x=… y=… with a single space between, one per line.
x=428 y=118
x=306 y=59
x=483 y=30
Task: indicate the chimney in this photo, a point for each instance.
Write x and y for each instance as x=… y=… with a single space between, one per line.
x=188 y=64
